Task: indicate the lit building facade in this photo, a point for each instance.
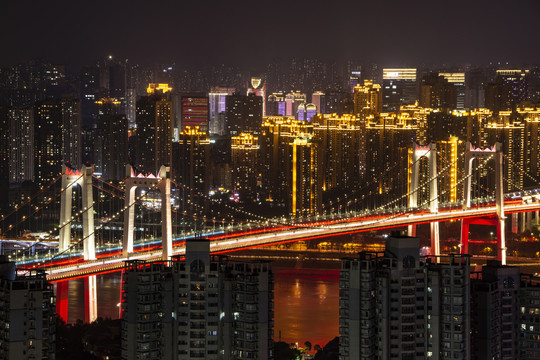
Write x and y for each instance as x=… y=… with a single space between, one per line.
x=342 y=151
x=257 y=87
x=154 y=130
x=21 y=149
x=243 y=113
x=367 y=98
x=318 y=98
x=398 y=305
x=399 y=88
x=113 y=135
x=244 y=162
x=279 y=163
x=195 y=111
x=28 y=317
x=217 y=109
x=192 y=159
x=457 y=79
x=201 y=307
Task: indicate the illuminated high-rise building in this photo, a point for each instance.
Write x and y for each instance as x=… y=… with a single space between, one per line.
x=311 y=111
x=21 y=149
x=244 y=162
x=276 y=104
x=113 y=135
x=318 y=98
x=367 y=98
x=531 y=144
x=457 y=79
x=154 y=129
x=217 y=109
x=290 y=170
x=509 y=89
x=494 y=312
x=192 y=160
x=5 y=144
x=436 y=92
x=342 y=151
x=57 y=137
x=200 y=307
x=194 y=110
x=399 y=88
x=28 y=314
x=243 y=113
x=71 y=131
x=509 y=128
x=389 y=137
x=292 y=101
x=306 y=191
x=354 y=79
x=398 y=305
x=257 y=87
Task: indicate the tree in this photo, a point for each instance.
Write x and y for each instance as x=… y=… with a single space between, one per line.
x=283 y=351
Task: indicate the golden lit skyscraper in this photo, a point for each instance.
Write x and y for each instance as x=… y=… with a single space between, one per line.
x=531 y=148
x=191 y=159
x=305 y=185
x=342 y=150
x=508 y=128
x=389 y=137
x=244 y=157
x=368 y=98
x=154 y=128
x=279 y=163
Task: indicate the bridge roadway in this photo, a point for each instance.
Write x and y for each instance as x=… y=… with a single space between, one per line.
x=285 y=234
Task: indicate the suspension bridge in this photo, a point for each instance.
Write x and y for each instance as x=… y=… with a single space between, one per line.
x=107 y=230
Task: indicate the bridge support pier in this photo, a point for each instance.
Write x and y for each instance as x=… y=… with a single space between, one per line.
x=90 y=299
x=62 y=300
x=83 y=178
x=515 y=220
x=496 y=153
x=163 y=183
x=430 y=152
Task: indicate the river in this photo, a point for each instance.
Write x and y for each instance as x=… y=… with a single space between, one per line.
x=306 y=302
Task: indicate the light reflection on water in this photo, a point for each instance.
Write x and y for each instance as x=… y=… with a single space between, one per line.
x=306 y=303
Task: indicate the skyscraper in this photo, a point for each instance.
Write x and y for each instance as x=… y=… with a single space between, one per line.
x=399 y=88
x=436 y=92
x=21 y=151
x=217 y=108
x=113 y=134
x=367 y=98
x=192 y=160
x=319 y=100
x=28 y=314
x=244 y=113
x=257 y=86
x=194 y=110
x=154 y=130
x=201 y=307
x=244 y=162
x=458 y=80
x=509 y=89
x=398 y=305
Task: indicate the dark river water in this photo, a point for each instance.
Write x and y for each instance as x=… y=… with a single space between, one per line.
x=306 y=302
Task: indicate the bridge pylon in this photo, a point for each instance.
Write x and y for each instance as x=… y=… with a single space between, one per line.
x=429 y=152
x=83 y=178
x=472 y=153
x=163 y=183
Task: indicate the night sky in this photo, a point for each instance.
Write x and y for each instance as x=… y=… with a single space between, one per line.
x=251 y=33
